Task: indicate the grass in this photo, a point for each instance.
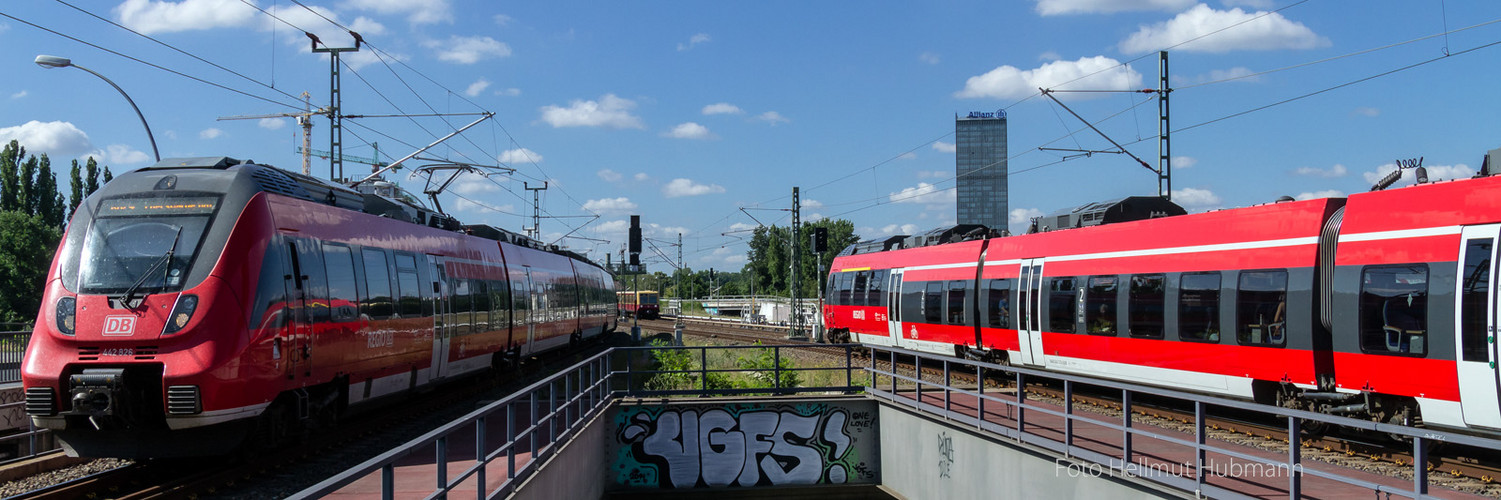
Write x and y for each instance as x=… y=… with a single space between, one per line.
x=749 y=367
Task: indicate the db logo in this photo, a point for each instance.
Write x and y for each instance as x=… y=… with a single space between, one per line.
x=119 y=326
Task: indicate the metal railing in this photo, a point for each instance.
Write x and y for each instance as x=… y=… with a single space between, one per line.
x=909 y=390
x=539 y=419
x=12 y=351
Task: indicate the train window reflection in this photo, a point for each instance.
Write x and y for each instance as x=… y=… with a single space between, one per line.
x=1474 y=298
x=1099 y=303
x=1261 y=308
x=1394 y=309
x=120 y=251
x=1145 y=304
x=1062 y=299
x=1199 y=307
x=378 y=301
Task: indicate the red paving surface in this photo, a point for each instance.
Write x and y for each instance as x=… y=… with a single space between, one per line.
x=415 y=476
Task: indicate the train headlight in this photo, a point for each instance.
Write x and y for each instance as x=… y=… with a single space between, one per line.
x=181 y=313
x=67 y=308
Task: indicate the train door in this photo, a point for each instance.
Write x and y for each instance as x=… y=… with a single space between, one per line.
x=532 y=315
x=1031 y=304
x=893 y=311
x=305 y=290
x=1476 y=315
x=444 y=320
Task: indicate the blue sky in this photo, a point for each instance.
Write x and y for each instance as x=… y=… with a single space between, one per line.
x=685 y=113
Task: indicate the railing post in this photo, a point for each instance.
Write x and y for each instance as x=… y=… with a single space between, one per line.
x=1068 y=418
x=946 y=386
x=1199 y=446
x=479 y=453
x=511 y=440
x=849 y=368
x=776 y=366
x=442 y=459
x=703 y=371
x=388 y=482
x=1021 y=405
x=1294 y=458
x=917 y=385
x=630 y=371
x=980 y=379
x=1419 y=467
x=1126 y=425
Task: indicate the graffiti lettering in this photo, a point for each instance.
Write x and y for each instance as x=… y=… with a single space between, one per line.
x=716 y=447
x=945 y=454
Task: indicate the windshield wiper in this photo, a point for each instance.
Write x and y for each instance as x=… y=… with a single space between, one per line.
x=166 y=272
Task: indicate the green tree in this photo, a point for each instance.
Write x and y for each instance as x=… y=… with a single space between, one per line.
x=49 y=204
x=769 y=262
x=26 y=245
x=75 y=184
x=10 y=178
x=28 y=195
x=108 y=176
x=91 y=177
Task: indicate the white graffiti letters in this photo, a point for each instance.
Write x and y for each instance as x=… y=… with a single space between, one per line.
x=720 y=448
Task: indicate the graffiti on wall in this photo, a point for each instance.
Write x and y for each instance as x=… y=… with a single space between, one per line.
x=690 y=446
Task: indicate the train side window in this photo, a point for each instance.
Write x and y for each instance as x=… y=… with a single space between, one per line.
x=410 y=303
x=1199 y=307
x=998 y=303
x=315 y=288
x=462 y=304
x=831 y=289
x=1474 y=292
x=1145 y=305
x=932 y=302
x=1261 y=308
x=1100 y=303
x=378 y=303
x=271 y=308
x=342 y=298
x=521 y=303
x=846 y=284
x=1394 y=309
x=874 y=295
x=955 y=299
x=857 y=293
x=1062 y=301
x=481 y=300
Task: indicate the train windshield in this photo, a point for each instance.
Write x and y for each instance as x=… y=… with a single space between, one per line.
x=142 y=245
x=648 y=299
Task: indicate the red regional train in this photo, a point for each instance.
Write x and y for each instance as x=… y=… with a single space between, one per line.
x=643 y=304
x=202 y=303
x=1382 y=305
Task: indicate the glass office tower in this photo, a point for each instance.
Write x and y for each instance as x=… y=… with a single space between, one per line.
x=980 y=167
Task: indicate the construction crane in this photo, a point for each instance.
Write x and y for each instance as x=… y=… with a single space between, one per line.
x=304 y=120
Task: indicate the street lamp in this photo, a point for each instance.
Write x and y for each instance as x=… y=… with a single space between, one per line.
x=46 y=61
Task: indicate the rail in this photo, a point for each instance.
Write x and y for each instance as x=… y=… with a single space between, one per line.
x=539 y=419
x=909 y=390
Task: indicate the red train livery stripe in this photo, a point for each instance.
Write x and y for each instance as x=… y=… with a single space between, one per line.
x=1261 y=363
x=1419 y=377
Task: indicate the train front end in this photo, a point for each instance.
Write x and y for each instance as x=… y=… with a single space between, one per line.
x=138 y=348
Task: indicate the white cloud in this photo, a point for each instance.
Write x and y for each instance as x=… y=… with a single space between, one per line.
x=1023 y=215
x=509 y=92
x=481 y=207
x=907 y=156
x=620 y=205
x=150 y=17
x=210 y=133
x=1048 y=55
x=417 y=11
x=1335 y=171
x=469 y=184
x=1269 y=32
x=1061 y=7
x=640 y=176
x=722 y=108
x=922 y=193
x=519 y=155
x=477 y=87
x=946 y=147
x=811 y=204
x=1409 y=177
x=685 y=187
x=929 y=58
x=1327 y=193
x=610 y=111
x=120 y=153
x=1367 y=111
x=896 y=229
x=609 y=175
x=18 y=95
x=272 y=123
x=1255 y=4
x=1184 y=162
x=689 y=130
x=1194 y=199
x=1007 y=82
x=693 y=41
x=468 y=50
x=773 y=118
x=502 y=19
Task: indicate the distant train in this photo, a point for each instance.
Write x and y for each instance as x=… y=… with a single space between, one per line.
x=640 y=304
x=202 y=303
x=1382 y=305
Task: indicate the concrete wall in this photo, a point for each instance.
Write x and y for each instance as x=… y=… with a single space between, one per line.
x=576 y=470
x=921 y=458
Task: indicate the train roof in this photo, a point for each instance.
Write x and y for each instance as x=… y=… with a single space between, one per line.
x=376 y=198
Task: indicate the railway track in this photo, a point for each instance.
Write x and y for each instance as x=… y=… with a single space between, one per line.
x=1477 y=471
x=281 y=472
